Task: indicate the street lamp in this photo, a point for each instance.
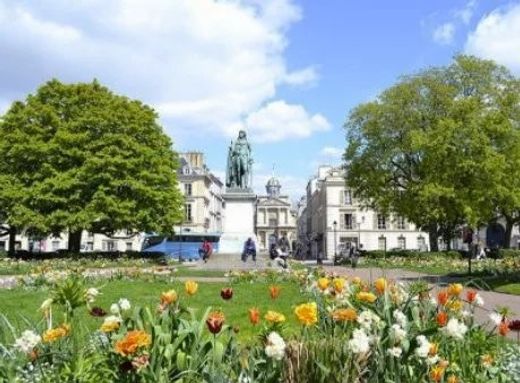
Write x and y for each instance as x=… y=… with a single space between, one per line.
x=335 y=224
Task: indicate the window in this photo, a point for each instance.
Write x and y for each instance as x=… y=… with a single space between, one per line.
x=2 y=246
x=129 y=246
x=109 y=246
x=381 y=221
x=273 y=222
x=421 y=243
x=186 y=170
x=347 y=197
x=381 y=243
x=188 y=189
x=187 y=212
x=347 y=222
x=90 y=234
x=55 y=245
x=89 y=246
x=401 y=223
x=401 y=243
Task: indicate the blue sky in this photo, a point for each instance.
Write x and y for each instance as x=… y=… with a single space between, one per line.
x=287 y=71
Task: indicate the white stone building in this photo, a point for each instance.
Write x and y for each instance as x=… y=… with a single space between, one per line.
x=204 y=205
x=274 y=216
x=334 y=217
x=120 y=241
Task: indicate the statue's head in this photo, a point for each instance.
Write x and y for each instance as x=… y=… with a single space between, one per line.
x=242 y=134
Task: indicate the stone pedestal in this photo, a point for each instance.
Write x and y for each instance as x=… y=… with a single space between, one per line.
x=239 y=222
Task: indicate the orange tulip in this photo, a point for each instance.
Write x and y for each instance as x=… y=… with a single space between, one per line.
x=434 y=348
x=452 y=379
x=471 y=295
x=344 y=315
x=215 y=321
x=503 y=328
x=274 y=291
x=442 y=318
x=132 y=341
x=442 y=297
x=254 y=316
x=168 y=297
x=436 y=373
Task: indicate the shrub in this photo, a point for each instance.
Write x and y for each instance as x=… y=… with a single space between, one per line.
x=92 y=255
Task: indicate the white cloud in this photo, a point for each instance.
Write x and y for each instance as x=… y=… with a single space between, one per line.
x=497 y=37
x=444 y=33
x=332 y=152
x=465 y=14
x=307 y=76
x=204 y=64
x=279 y=120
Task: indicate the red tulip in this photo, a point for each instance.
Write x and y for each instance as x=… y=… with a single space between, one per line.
x=226 y=293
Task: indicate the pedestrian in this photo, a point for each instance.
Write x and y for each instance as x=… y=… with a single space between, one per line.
x=205 y=250
x=249 y=249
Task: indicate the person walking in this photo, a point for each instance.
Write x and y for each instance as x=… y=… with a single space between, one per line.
x=205 y=250
x=249 y=249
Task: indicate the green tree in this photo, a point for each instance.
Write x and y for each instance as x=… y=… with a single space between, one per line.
x=89 y=160
x=431 y=147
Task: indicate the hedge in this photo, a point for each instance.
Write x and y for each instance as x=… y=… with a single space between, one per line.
x=91 y=255
x=380 y=254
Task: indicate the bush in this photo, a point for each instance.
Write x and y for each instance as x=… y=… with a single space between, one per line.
x=92 y=255
x=379 y=254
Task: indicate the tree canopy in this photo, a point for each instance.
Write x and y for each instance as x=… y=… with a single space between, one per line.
x=440 y=147
x=79 y=157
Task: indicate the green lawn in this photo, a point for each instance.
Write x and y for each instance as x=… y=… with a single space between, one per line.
x=19 y=304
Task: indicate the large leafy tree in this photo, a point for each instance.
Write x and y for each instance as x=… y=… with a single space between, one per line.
x=89 y=160
x=433 y=147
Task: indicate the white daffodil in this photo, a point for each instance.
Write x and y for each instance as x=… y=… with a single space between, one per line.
x=28 y=341
x=455 y=329
x=396 y=352
x=424 y=347
x=114 y=308
x=360 y=342
x=275 y=347
x=124 y=304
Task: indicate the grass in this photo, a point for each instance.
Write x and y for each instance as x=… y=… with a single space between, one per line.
x=19 y=305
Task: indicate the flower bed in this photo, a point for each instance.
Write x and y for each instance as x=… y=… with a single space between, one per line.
x=348 y=331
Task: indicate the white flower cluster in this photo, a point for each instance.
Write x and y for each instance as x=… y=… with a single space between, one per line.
x=122 y=305
x=400 y=318
x=275 y=347
x=398 y=333
x=455 y=329
x=424 y=347
x=396 y=352
x=360 y=342
x=367 y=319
x=28 y=341
x=91 y=294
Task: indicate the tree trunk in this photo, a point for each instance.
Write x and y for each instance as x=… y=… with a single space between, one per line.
x=75 y=241
x=509 y=229
x=12 y=241
x=433 y=235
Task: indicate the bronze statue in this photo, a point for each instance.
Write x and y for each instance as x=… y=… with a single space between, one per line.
x=239 y=164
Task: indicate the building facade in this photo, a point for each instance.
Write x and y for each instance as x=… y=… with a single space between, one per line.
x=121 y=241
x=274 y=216
x=204 y=205
x=334 y=218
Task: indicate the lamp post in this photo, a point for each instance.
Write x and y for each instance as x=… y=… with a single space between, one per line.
x=335 y=224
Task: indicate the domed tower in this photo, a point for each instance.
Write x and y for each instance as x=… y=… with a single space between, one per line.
x=273 y=187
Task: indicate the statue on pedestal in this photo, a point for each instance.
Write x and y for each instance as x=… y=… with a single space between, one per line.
x=239 y=173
